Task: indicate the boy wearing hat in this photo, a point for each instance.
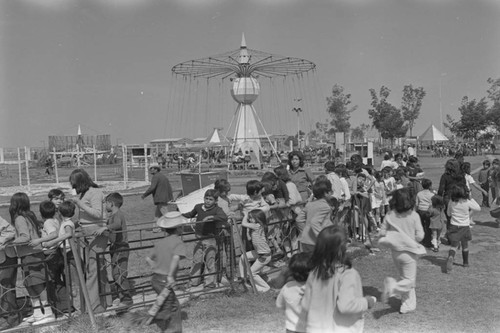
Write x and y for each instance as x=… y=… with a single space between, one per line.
x=209 y=217
x=164 y=260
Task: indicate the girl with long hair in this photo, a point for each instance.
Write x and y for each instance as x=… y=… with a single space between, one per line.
x=27 y=229
x=333 y=297
x=452 y=175
x=89 y=200
x=301 y=176
x=403 y=220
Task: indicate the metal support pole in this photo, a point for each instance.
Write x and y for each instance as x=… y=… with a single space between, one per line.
x=27 y=163
x=19 y=166
x=124 y=165
x=95 y=164
x=146 y=174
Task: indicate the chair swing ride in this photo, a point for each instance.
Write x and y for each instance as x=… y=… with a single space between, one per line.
x=243 y=67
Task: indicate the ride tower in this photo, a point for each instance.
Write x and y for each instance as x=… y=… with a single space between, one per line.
x=243 y=67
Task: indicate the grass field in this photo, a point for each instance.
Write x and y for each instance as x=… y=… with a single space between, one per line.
x=466 y=300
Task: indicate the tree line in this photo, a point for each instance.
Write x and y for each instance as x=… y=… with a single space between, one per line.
x=479 y=119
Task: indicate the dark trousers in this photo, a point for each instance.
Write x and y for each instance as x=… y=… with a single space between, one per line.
x=8 y=305
x=119 y=271
x=168 y=318
x=34 y=273
x=486 y=197
x=57 y=292
x=426 y=221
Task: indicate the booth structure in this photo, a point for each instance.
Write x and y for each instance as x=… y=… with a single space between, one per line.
x=192 y=181
x=363 y=149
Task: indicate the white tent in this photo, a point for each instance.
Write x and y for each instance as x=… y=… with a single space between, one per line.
x=216 y=139
x=432 y=134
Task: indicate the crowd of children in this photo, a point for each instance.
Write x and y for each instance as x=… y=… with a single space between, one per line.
x=41 y=246
x=329 y=211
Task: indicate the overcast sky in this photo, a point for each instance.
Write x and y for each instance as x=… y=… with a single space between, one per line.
x=106 y=64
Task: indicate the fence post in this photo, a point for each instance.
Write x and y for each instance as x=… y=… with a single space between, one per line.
x=55 y=165
x=146 y=174
x=244 y=256
x=124 y=165
x=27 y=168
x=83 y=286
x=19 y=166
x=78 y=163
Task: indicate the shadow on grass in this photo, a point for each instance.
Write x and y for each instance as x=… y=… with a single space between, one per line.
x=437 y=261
x=491 y=224
x=394 y=305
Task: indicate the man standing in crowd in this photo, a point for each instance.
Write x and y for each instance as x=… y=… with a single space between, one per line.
x=161 y=190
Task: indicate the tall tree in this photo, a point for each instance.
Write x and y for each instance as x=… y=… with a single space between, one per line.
x=494 y=90
x=452 y=125
x=473 y=118
x=359 y=133
x=411 y=104
x=323 y=130
x=386 y=118
x=493 y=116
x=339 y=109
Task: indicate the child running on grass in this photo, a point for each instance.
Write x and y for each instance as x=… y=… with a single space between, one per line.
x=483 y=179
x=406 y=230
x=470 y=182
x=164 y=261
x=333 y=296
x=261 y=254
x=291 y=294
x=437 y=218
x=459 y=209
x=423 y=204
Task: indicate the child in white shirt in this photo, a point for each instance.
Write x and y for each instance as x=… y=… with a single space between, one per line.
x=66 y=231
x=291 y=294
x=459 y=209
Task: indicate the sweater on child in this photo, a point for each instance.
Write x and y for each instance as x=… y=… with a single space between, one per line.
x=336 y=304
x=207 y=228
x=424 y=199
x=409 y=223
x=316 y=215
x=289 y=299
